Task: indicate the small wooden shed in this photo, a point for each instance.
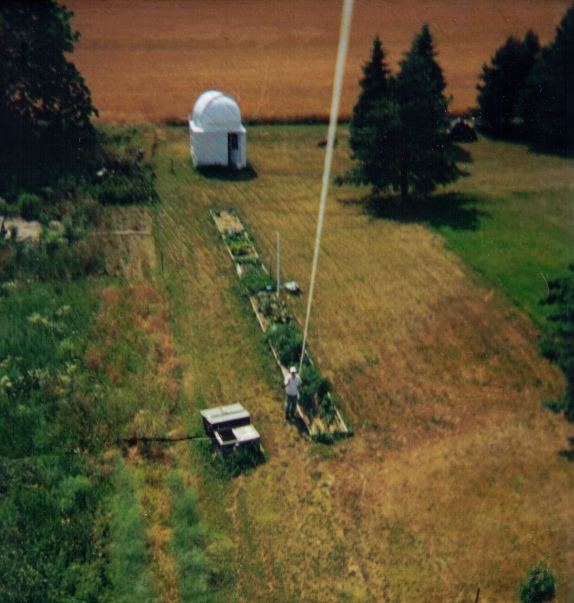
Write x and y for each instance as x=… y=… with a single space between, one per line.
x=216 y=134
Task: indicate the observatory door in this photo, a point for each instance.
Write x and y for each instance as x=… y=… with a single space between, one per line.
x=233 y=149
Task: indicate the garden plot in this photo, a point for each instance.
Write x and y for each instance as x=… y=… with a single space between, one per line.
x=316 y=407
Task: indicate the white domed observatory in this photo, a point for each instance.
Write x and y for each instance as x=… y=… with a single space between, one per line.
x=216 y=134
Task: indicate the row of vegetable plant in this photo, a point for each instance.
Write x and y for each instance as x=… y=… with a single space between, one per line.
x=280 y=330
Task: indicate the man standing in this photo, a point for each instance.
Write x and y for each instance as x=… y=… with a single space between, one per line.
x=292 y=386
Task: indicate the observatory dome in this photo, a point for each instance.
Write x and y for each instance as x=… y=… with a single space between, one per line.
x=215 y=111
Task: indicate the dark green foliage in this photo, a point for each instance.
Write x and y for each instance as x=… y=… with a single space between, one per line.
x=45 y=105
x=427 y=155
x=134 y=184
x=539 y=586
x=53 y=545
x=314 y=392
x=258 y=280
x=400 y=125
x=558 y=346
x=232 y=464
x=51 y=259
x=503 y=83
x=287 y=340
x=547 y=99
x=30 y=206
x=374 y=87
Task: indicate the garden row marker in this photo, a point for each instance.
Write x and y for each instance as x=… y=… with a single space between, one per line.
x=337 y=86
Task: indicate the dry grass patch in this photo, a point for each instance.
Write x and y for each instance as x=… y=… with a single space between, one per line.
x=453 y=479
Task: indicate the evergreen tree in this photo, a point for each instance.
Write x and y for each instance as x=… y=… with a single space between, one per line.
x=426 y=153
x=374 y=87
x=548 y=98
x=399 y=128
x=504 y=81
x=45 y=105
x=374 y=127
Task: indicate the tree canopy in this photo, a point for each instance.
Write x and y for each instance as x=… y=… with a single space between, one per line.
x=400 y=124
x=549 y=92
x=45 y=105
x=503 y=82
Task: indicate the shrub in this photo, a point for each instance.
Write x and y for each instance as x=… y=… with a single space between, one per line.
x=539 y=586
x=314 y=392
x=29 y=206
x=257 y=280
x=7 y=210
x=287 y=341
x=133 y=184
x=273 y=308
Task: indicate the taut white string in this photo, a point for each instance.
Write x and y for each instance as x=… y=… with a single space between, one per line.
x=337 y=86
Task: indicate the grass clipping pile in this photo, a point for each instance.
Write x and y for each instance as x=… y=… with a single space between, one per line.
x=316 y=406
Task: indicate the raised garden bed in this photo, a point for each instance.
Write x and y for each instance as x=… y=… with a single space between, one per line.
x=316 y=407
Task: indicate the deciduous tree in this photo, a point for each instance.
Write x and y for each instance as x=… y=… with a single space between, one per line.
x=45 y=105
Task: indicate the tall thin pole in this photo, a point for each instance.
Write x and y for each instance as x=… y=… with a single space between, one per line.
x=278 y=264
x=337 y=86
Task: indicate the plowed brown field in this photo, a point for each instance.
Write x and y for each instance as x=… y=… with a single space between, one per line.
x=149 y=60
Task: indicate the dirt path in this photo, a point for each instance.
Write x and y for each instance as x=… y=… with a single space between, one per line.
x=453 y=478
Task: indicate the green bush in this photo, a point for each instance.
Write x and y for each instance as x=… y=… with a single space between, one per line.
x=273 y=308
x=135 y=185
x=257 y=280
x=30 y=206
x=287 y=341
x=539 y=586
x=6 y=209
x=313 y=394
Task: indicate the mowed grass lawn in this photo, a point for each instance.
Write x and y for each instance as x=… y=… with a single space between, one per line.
x=454 y=478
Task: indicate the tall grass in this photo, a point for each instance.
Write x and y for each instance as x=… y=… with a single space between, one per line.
x=189 y=541
x=129 y=553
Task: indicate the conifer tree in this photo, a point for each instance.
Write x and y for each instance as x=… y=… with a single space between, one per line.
x=426 y=153
x=503 y=82
x=548 y=98
x=375 y=128
x=374 y=86
x=400 y=124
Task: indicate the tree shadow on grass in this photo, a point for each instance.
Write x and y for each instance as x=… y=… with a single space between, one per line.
x=452 y=210
x=569 y=453
x=228 y=174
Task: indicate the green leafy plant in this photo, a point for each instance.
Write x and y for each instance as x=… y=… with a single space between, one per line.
x=287 y=341
x=30 y=206
x=539 y=585
x=273 y=308
x=257 y=280
x=314 y=392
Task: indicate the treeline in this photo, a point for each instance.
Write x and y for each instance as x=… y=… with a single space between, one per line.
x=527 y=90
